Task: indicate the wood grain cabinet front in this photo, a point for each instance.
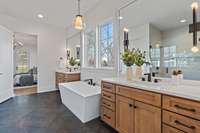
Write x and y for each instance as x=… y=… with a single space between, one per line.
x=64 y=77
x=139 y=95
x=182 y=106
x=108 y=116
x=168 y=129
x=147 y=118
x=124 y=114
x=181 y=122
x=108 y=87
x=108 y=96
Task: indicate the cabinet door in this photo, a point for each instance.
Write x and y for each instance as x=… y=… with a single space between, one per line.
x=124 y=114
x=147 y=118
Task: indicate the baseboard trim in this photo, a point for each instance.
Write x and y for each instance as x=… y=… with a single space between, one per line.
x=6 y=96
x=47 y=90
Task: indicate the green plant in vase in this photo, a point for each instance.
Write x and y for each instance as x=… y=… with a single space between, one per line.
x=139 y=60
x=128 y=60
x=72 y=61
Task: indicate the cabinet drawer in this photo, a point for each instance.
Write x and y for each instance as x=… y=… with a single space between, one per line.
x=72 y=77
x=182 y=106
x=60 y=75
x=108 y=96
x=108 y=87
x=108 y=104
x=181 y=122
x=108 y=116
x=139 y=95
x=168 y=129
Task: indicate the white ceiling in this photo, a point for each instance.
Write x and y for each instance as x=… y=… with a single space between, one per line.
x=56 y=12
x=164 y=14
x=26 y=39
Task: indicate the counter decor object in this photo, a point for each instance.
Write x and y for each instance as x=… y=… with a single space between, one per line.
x=128 y=60
x=177 y=76
x=139 y=60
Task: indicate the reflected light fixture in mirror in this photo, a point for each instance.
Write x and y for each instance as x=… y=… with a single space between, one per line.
x=120 y=17
x=183 y=20
x=194 y=7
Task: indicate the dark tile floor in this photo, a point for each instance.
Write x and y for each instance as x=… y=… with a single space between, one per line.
x=43 y=113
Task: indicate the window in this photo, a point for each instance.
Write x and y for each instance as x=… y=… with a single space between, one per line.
x=90 y=49
x=22 y=60
x=106 y=45
x=170 y=56
x=98 y=47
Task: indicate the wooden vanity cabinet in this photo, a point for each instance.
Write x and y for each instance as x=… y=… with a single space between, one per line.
x=132 y=110
x=65 y=77
x=108 y=104
x=136 y=110
x=124 y=114
x=147 y=118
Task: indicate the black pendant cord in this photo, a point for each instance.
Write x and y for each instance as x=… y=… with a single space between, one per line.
x=79 y=8
x=194 y=27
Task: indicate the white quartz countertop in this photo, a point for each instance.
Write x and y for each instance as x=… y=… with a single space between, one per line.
x=67 y=72
x=181 y=89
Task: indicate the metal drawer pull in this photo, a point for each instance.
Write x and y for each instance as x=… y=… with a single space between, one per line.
x=107 y=116
x=179 y=123
x=107 y=104
x=106 y=95
x=191 y=110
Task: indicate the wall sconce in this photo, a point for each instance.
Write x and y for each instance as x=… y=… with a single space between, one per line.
x=194 y=7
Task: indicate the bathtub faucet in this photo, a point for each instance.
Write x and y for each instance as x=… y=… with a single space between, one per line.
x=90 y=81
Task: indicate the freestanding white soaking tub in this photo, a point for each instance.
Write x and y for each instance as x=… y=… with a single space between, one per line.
x=82 y=99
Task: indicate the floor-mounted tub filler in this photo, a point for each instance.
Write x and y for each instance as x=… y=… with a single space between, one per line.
x=82 y=99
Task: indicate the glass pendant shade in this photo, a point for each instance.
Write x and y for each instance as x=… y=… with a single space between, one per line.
x=79 y=23
x=195 y=49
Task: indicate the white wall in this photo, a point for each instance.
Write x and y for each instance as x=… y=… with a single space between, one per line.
x=51 y=46
x=6 y=66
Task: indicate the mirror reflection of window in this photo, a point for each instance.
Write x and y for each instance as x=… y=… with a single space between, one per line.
x=155 y=57
x=170 y=56
x=90 y=48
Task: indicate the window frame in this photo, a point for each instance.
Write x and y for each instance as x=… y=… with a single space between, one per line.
x=97 y=49
x=108 y=21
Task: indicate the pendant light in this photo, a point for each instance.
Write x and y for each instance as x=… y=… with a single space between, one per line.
x=194 y=7
x=78 y=22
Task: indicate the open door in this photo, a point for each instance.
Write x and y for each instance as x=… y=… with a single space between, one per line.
x=6 y=64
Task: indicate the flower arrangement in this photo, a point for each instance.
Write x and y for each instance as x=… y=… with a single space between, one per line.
x=127 y=58
x=139 y=57
x=72 y=61
x=134 y=56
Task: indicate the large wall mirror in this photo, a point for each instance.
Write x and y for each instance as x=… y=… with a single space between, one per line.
x=161 y=28
x=73 y=49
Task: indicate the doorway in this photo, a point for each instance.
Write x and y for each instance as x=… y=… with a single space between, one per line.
x=25 y=64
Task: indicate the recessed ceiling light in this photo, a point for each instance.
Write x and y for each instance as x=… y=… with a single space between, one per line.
x=120 y=17
x=183 y=20
x=40 y=16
